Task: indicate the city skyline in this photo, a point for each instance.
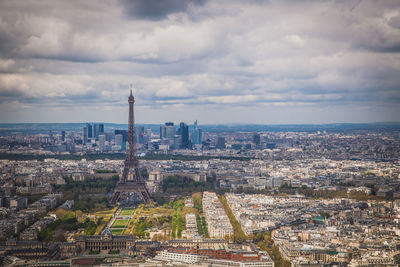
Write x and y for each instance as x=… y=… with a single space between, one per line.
x=259 y=62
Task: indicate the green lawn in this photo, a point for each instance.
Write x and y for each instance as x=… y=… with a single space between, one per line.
x=128 y=212
x=120 y=224
x=117 y=231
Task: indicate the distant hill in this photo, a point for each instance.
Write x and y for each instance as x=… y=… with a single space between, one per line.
x=334 y=127
x=44 y=128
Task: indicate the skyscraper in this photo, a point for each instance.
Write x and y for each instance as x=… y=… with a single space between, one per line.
x=102 y=142
x=184 y=133
x=256 y=138
x=196 y=134
x=119 y=138
x=97 y=130
x=89 y=131
x=177 y=141
x=101 y=128
x=163 y=132
x=85 y=134
x=148 y=133
x=140 y=134
x=221 y=142
x=167 y=131
x=124 y=134
x=170 y=130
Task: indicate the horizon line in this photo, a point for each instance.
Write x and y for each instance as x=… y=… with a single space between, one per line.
x=234 y=123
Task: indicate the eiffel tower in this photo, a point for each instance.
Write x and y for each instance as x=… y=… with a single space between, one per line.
x=131 y=190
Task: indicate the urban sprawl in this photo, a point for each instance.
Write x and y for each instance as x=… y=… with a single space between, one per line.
x=219 y=198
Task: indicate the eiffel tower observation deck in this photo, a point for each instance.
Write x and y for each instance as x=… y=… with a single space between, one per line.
x=131 y=190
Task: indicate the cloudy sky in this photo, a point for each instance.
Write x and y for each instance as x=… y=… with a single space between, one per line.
x=218 y=61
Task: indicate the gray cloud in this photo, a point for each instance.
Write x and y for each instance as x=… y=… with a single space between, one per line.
x=155 y=9
x=200 y=59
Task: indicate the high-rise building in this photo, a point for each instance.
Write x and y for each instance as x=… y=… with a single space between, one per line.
x=148 y=132
x=124 y=134
x=170 y=131
x=163 y=132
x=177 y=141
x=102 y=142
x=85 y=135
x=184 y=133
x=200 y=137
x=63 y=136
x=167 y=131
x=93 y=131
x=98 y=129
x=140 y=134
x=196 y=135
x=109 y=136
x=221 y=142
x=89 y=130
x=148 y=135
x=119 y=139
x=256 y=138
x=101 y=129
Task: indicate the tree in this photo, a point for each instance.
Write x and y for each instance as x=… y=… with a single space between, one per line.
x=267 y=239
x=262 y=245
x=258 y=237
x=239 y=235
x=60 y=213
